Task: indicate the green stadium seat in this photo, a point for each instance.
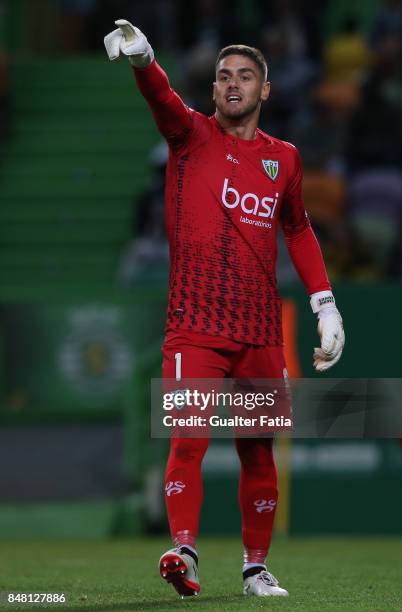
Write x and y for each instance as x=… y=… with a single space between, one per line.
x=77 y=158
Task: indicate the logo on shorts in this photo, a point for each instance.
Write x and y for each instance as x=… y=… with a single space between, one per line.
x=265 y=505
x=174 y=487
x=271 y=167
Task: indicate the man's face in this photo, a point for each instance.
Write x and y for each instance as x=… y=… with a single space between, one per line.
x=239 y=87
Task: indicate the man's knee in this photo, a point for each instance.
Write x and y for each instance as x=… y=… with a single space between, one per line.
x=256 y=454
x=188 y=450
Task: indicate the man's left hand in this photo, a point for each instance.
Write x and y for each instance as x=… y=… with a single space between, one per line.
x=330 y=330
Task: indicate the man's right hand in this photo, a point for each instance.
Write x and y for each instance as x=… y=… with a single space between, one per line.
x=130 y=41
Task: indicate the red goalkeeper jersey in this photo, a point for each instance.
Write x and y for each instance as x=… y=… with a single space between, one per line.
x=225 y=199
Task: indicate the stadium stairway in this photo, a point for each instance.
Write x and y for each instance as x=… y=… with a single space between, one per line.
x=77 y=158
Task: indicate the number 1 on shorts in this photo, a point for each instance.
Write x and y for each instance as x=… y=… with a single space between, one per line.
x=178 y=365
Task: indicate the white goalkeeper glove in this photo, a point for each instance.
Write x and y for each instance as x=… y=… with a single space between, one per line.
x=330 y=330
x=130 y=41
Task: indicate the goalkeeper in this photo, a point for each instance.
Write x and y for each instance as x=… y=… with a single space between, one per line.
x=229 y=188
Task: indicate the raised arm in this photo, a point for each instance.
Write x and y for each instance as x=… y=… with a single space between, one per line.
x=172 y=116
x=307 y=258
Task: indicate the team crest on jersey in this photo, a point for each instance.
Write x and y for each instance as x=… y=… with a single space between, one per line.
x=271 y=167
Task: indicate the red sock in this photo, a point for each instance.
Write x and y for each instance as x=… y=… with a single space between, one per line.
x=183 y=488
x=258 y=496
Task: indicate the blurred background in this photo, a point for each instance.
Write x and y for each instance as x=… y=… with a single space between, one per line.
x=83 y=257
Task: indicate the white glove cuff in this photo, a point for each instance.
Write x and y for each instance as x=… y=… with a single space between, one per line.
x=321 y=299
x=142 y=61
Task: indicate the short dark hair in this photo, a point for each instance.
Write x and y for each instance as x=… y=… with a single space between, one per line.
x=251 y=52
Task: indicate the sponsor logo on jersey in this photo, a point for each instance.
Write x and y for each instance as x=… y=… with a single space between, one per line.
x=265 y=505
x=174 y=487
x=271 y=167
x=232 y=159
x=250 y=203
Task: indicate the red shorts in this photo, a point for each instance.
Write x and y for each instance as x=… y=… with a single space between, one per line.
x=188 y=354
x=192 y=356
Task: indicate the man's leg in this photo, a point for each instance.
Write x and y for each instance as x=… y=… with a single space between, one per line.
x=183 y=494
x=258 y=497
x=183 y=488
x=258 y=488
x=187 y=356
